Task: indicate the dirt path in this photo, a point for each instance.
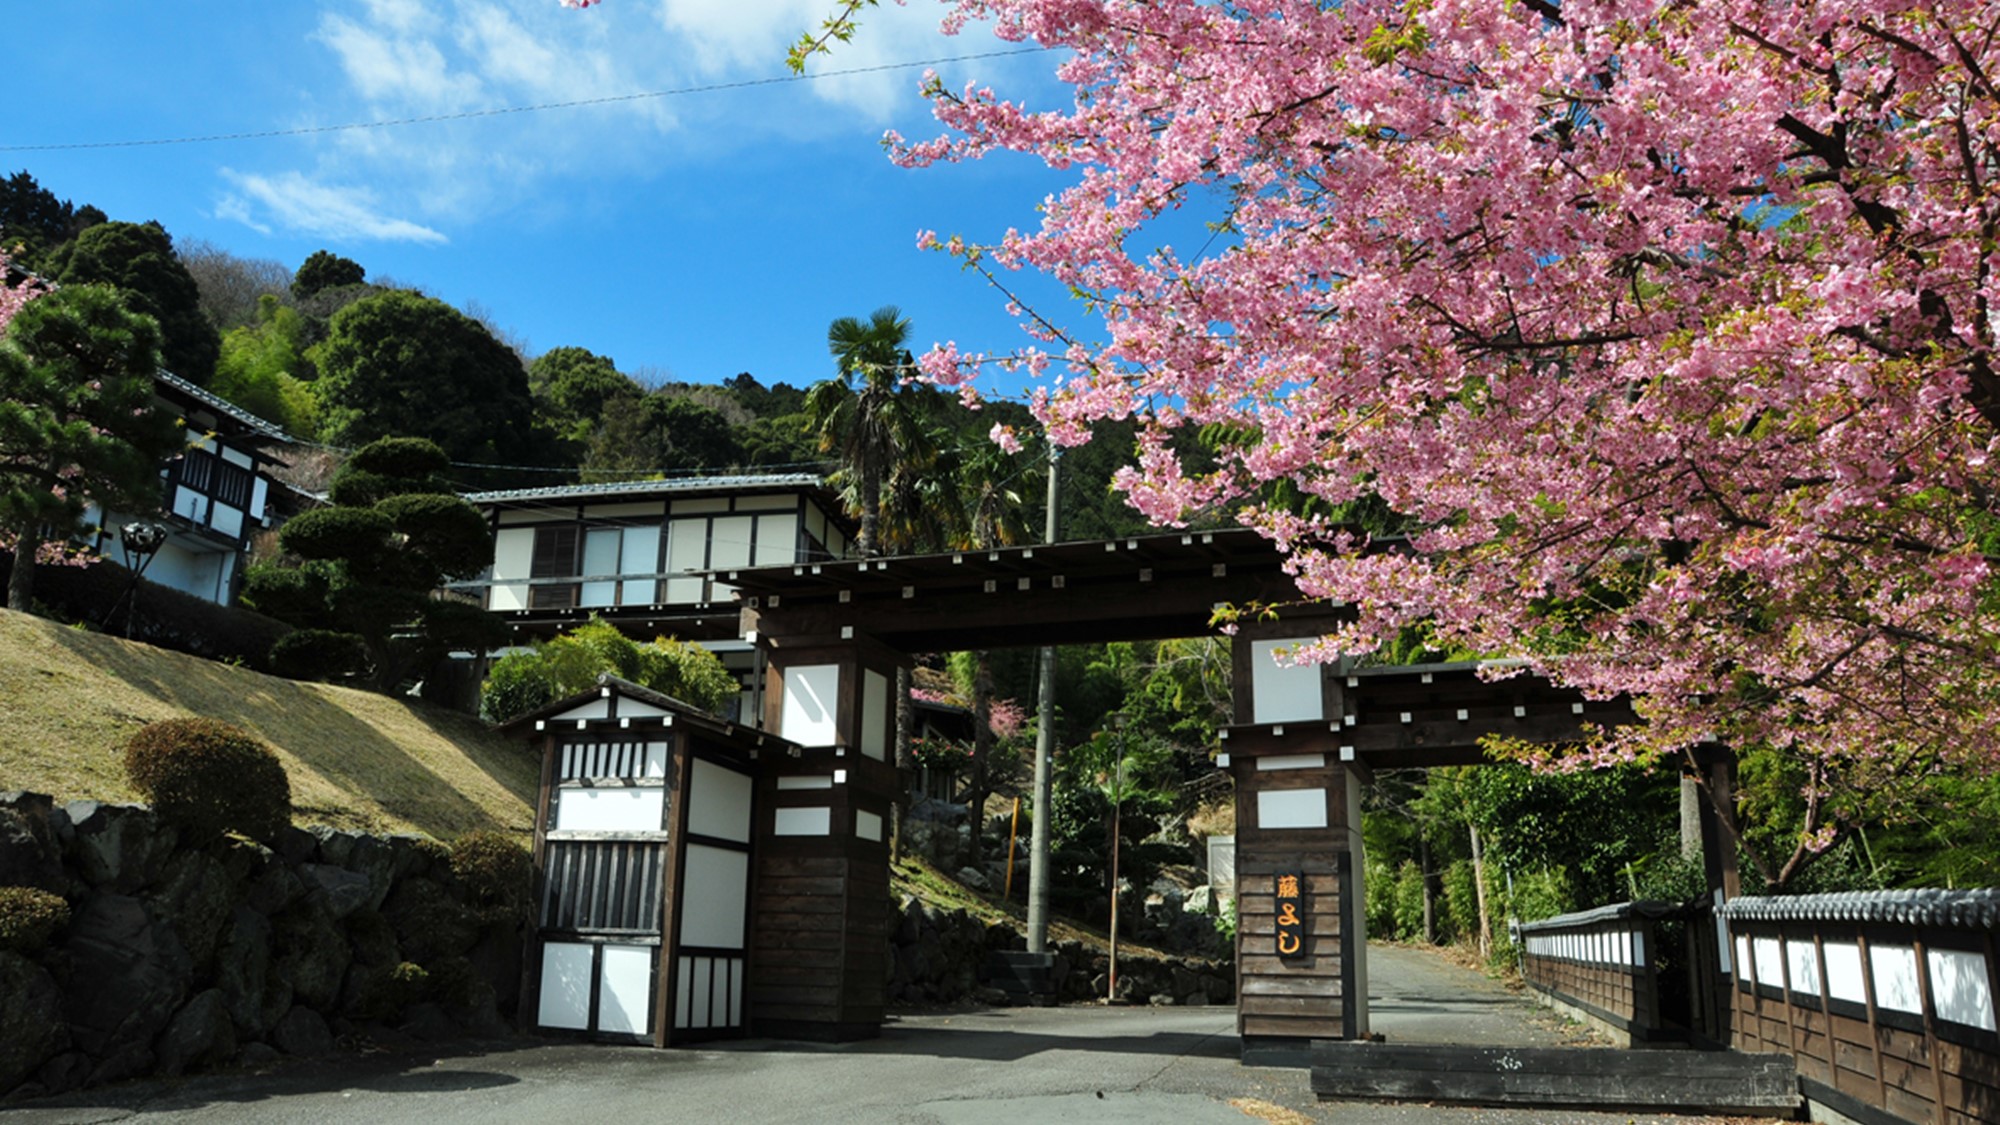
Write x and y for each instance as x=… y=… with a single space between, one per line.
x=1417 y=996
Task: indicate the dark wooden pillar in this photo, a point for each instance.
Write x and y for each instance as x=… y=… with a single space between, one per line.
x=1301 y=942
x=821 y=902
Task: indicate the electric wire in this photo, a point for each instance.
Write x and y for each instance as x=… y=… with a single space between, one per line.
x=502 y=111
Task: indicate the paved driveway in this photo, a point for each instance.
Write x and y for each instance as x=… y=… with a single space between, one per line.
x=1014 y=1066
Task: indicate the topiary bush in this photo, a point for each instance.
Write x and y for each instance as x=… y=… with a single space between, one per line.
x=496 y=872
x=319 y=654
x=209 y=778
x=30 y=918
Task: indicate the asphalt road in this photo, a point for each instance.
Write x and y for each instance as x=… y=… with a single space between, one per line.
x=1014 y=1066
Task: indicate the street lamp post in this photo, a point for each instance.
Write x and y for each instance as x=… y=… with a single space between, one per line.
x=141 y=541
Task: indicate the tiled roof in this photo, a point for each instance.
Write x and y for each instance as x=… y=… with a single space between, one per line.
x=214 y=402
x=1976 y=909
x=650 y=487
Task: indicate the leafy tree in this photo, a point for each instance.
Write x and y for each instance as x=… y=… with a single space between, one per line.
x=369 y=566
x=78 y=422
x=33 y=221
x=572 y=387
x=399 y=363
x=139 y=258
x=643 y=435
x=773 y=401
x=866 y=417
x=571 y=663
x=232 y=289
x=1613 y=307
x=263 y=369
x=323 y=270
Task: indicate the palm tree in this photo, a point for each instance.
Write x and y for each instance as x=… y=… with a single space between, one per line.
x=865 y=416
x=877 y=428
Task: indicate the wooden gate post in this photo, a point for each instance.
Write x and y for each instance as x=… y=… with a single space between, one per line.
x=820 y=912
x=1301 y=943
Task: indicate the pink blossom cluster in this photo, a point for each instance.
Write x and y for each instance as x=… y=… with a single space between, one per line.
x=1666 y=332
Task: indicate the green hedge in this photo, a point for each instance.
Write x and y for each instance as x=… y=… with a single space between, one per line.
x=167 y=618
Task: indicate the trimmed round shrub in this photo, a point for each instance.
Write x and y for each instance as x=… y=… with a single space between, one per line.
x=30 y=918
x=496 y=873
x=319 y=654
x=209 y=778
x=518 y=684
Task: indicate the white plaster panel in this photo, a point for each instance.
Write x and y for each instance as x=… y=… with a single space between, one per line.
x=625 y=989
x=729 y=542
x=1802 y=964
x=1894 y=970
x=624 y=510
x=260 y=491
x=715 y=890
x=1742 y=953
x=699 y=986
x=610 y=810
x=1291 y=762
x=807 y=781
x=804 y=822
x=1960 y=990
x=777 y=539
x=735 y=994
x=707 y=504
x=513 y=553
x=683 y=986
x=867 y=825
x=1770 y=961
x=718 y=802
x=811 y=694
x=1843 y=972
x=190 y=505
x=1283 y=693
x=874 y=714
x=1291 y=808
x=596 y=708
x=237 y=457
x=227 y=519
x=630 y=708
x=770 y=502
x=565 y=998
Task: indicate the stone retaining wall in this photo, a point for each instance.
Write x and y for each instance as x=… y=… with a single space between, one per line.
x=940 y=957
x=178 y=958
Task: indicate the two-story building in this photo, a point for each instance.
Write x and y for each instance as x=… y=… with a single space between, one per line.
x=216 y=495
x=638 y=554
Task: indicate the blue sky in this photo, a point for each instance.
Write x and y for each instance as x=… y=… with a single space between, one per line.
x=688 y=237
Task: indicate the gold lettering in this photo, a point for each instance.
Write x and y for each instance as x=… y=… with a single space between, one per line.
x=1288 y=944
x=1288 y=886
x=1288 y=914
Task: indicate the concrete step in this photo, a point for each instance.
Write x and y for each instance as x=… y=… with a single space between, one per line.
x=1719 y=1082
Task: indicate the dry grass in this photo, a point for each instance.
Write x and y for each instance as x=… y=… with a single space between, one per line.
x=69 y=699
x=915 y=876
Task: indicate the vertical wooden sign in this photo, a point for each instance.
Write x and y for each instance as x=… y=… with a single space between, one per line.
x=1291 y=913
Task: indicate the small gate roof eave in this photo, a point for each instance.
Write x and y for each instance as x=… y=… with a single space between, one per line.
x=683 y=714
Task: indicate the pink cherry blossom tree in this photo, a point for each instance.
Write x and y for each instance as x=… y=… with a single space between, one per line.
x=1660 y=334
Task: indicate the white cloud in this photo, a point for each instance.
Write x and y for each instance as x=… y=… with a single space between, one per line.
x=299 y=204
x=459 y=59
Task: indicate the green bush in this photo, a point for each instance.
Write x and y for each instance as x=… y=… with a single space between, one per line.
x=1409 y=901
x=1461 y=901
x=210 y=778
x=30 y=918
x=165 y=617
x=570 y=664
x=1379 y=898
x=519 y=683
x=319 y=654
x=497 y=874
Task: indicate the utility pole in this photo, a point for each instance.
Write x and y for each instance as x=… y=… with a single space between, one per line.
x=1045 y=744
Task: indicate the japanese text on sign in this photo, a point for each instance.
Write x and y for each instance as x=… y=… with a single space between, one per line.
x=1291 y=910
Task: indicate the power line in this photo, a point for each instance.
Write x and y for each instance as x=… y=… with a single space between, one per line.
x=612 y=99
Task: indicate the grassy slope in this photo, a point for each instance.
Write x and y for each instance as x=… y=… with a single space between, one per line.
x=68 y=700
